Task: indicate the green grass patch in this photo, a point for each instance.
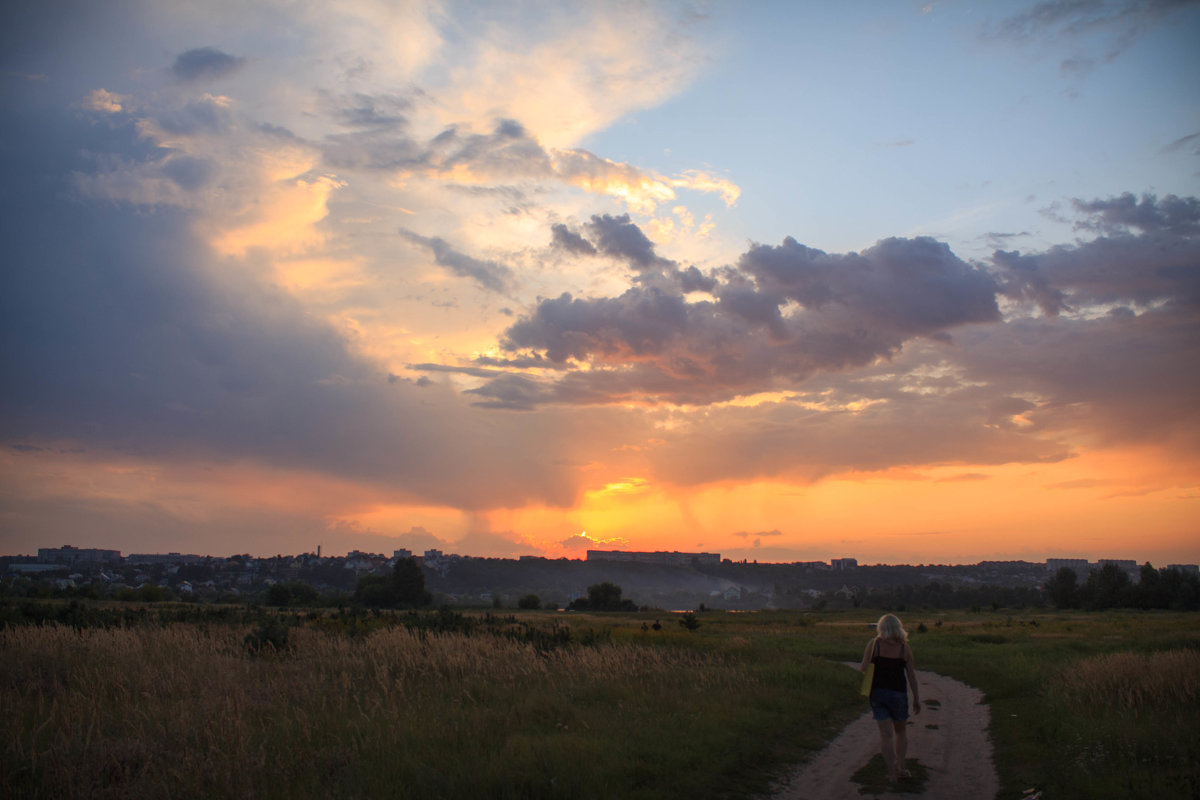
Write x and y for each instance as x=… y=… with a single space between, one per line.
x=172 y=700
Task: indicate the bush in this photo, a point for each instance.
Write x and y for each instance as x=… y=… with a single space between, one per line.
x=271 y=634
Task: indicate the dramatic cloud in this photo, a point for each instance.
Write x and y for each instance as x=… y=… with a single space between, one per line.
x=1149 y=254
x=143 y=344
x=781 y=314
x=563 y=237
x=1178 y=215
x=453 y=275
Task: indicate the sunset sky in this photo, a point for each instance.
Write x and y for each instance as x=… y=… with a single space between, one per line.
x=903 y=281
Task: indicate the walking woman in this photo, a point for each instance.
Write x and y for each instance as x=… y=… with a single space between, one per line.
x=894 y=676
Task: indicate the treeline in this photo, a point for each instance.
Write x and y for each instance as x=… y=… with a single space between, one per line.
x=1110 y=587
x=403 y=587
x=947 y=596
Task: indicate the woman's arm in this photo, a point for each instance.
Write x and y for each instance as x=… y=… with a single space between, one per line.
x=866 y=656
x=911 y=671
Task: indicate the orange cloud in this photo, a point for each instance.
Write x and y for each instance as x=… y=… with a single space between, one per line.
x=285 y=216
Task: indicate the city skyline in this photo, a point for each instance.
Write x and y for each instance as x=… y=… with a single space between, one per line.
x=781 y=281
x=69 y=554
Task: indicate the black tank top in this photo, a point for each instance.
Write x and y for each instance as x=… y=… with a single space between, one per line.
x=889 y=672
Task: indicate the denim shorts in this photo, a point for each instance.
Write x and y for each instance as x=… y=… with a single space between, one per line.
x=889 y=704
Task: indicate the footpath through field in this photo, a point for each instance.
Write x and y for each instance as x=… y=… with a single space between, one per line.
x=949 y=737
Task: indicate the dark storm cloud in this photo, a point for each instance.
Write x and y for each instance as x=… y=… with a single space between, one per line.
x=1116 y=371
x=753 y=307
x=1179 y=215
x=205 y=64
x=692 y=280
x=900 y=287
x=564 y=238
x=130 y=336
x=620 y=238
x=841 y=311
x=488 y=274
x=641 y=322
x=1025 y=282
x=1121 y=315
x=1150 y=254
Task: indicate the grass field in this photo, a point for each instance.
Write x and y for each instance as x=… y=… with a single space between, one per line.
x=1084 y=705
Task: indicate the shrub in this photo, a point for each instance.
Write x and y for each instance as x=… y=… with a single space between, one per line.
x=271 y=634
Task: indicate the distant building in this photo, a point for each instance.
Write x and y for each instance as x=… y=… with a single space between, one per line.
x=673 y=559
x=843 y=564
x=76 y=555
x=1189 y=569
x=33 y=569
x=1079 y=566
x=402 y=553
x=163 y=558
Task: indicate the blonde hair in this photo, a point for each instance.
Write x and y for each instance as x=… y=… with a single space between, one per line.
x=889 y=627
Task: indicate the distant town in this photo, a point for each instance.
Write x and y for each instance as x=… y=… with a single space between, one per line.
x=667 y=580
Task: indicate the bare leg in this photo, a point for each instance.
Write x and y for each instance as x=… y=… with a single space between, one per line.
x=887 y=748
x=901 y=730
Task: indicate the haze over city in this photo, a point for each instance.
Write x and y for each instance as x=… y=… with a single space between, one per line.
x=909 y=282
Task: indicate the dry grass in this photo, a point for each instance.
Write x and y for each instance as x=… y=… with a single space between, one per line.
x=1134 y=682
x=185 y=711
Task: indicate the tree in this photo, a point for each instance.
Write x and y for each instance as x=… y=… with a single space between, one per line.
x=1106 y=587
x=688 y=620
x=409 y=583
x=530 y=601
x=1062 y=589
x=403 y=588
x=604 y=596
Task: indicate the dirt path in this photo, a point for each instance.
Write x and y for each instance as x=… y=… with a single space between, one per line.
x=949 y=737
